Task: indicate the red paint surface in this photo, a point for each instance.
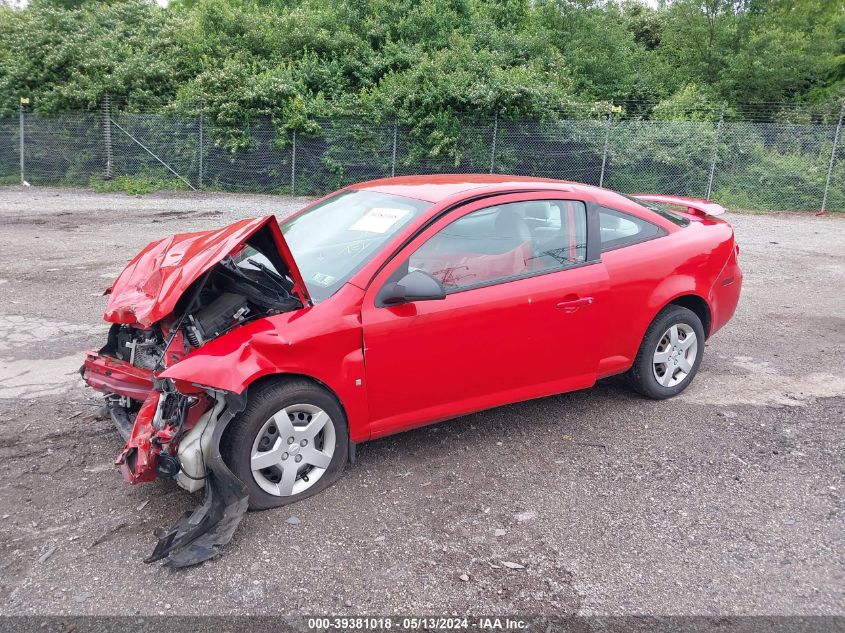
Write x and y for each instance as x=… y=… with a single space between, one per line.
x=426 y=361
x=112 y=375
x=137 y=461
x=479 y=348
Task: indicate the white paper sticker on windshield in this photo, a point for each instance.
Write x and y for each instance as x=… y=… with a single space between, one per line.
x=323 y=279
x=378 y=220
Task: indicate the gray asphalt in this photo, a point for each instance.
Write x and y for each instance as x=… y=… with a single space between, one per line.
x=725 y=500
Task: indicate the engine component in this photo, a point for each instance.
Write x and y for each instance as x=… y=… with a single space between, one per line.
x=171 y=408
x=168 y=466
x=141 y=348
x=194 y=449
x=219 y=316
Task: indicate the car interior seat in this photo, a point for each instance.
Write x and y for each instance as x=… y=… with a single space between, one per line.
x=511 y=229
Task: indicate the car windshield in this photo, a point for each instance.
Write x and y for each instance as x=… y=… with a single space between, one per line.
x=333 y=239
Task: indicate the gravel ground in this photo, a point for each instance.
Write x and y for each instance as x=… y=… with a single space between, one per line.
x=725 y=500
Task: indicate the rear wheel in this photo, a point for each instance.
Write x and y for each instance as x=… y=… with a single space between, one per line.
x=290 y=442
x=670 y=354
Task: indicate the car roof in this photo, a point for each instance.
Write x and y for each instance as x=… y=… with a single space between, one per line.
x=437 y=187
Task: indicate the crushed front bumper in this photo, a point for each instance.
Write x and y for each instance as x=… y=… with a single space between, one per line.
x=151 y=448
x=112 y=375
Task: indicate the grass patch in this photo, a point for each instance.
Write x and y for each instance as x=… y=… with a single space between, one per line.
x=134 y=185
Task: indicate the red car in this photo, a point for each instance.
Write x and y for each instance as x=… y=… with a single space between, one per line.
x=250 y=360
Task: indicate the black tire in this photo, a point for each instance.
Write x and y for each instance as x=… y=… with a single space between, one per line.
x=262 y=403
x=641 y=376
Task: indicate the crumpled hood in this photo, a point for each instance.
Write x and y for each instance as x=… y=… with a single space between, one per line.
x=151 y=284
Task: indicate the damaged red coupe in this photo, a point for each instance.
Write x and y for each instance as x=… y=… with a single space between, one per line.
x=250 y=360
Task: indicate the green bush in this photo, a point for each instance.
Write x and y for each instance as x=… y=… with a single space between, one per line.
x=339 y=73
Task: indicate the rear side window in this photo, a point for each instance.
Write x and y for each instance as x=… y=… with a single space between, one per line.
x=619 y=229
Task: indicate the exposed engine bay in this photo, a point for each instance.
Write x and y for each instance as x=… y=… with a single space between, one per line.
x=173 y=431
x=232 y=293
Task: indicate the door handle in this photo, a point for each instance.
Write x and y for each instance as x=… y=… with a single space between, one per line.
x=571 y=305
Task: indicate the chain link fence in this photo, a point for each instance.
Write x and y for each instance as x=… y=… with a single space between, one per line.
x=754 y=164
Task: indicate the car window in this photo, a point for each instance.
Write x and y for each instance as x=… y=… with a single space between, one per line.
x=506 y=241
x=619 y=229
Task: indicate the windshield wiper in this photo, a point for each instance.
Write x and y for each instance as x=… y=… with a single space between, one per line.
x=269 y=272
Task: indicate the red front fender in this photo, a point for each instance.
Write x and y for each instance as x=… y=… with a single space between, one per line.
x=326 y=348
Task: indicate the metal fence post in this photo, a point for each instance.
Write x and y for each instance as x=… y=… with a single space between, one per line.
x=24 y=100
x=832 y=158
x=606 y=143
x=201 y=149
x=107 y=136
x=395 y=134
x=293 y=166
x=495 y=136
x=716 y=136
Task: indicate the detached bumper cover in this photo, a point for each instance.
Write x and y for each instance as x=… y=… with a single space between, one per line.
x=197 y=536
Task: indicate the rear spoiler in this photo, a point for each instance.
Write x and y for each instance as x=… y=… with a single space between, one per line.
x=695 y=206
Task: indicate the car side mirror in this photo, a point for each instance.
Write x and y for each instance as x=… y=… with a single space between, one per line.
x=415 y=286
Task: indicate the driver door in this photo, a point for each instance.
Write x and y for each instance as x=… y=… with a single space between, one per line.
x=523 y=309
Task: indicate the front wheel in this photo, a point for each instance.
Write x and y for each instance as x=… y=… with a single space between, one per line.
x=670 y=354
x=290 y=442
